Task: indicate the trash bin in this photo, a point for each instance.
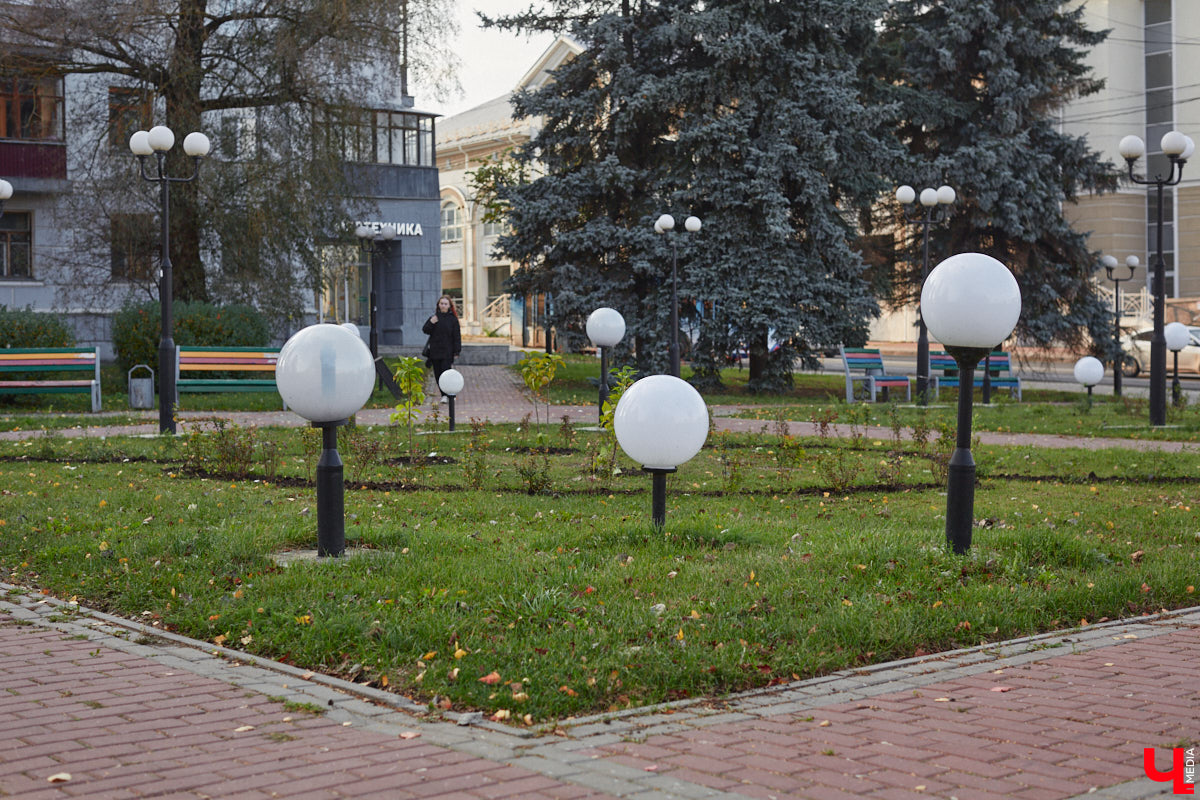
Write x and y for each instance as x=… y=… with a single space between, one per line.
x=141 y=390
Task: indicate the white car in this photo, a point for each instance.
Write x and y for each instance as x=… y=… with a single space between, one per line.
x=1137 y=353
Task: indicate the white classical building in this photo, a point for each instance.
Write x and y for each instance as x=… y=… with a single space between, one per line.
x=470 y=271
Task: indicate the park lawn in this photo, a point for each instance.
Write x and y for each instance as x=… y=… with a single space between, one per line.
x=781 y=558
x=1121 y=418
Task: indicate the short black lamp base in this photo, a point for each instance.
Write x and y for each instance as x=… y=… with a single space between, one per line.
x=658 y=494
x=331 y=505
x=960 y=484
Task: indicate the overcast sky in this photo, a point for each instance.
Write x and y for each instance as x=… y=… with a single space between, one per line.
x=492 y=61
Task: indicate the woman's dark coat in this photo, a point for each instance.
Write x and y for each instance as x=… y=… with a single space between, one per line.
x=445 y=342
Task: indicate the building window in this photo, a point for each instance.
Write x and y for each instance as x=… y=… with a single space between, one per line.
x=452 y=222
x=381 y=137
x=132 y=247
x=16 y=245
x=129 y=111
x=495 y=228
x=31 y=107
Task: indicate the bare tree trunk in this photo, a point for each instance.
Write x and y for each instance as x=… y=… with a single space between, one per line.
x=182 y=95
x=758 y=357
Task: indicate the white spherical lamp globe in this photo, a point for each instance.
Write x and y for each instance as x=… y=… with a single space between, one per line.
x=661 y=422
x=161 y=138
x=6 y=189
x=325 y=373
x=906 y=194
x=1177 y=336
x=451 y=382
x=139 y=144
x=664 y=223
x=946 y=195
x=605 y=327
x=971 y=300
x=929 y=197
x=196 y=144
x=350 y=326
x=1131 y=148
x=692 y=224
x=1089 y=371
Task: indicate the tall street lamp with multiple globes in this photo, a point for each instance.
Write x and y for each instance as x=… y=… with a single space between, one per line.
x=157 y=141
x=936 y=203
x=1178 y=149
x=970 y=302
x=666 y=224
x=1110 y=264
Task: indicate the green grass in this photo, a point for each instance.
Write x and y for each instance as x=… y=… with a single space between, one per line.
x=781 y=558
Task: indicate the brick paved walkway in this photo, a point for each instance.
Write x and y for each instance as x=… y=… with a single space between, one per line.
x=131 y=712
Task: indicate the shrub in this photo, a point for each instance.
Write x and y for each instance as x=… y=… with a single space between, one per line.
x=33 y=329
x=136 y=329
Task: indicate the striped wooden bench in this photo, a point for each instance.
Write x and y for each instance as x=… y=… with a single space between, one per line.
x=999 y=368
x=240 y=360
x=873 y=378
x=32 y=362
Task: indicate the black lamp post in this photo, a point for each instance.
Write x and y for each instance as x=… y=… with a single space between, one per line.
x=324 y=374
x=1177 y=148
x=970 y=301
x=157 y=141
x=936 y=203
x=451 y=384
x=605 y=327
x=1110 y=264
x=666 y=224
x=373 y=240
x=660 y=422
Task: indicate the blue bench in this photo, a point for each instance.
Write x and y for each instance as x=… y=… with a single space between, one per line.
x=873 y=377
x=998 y=367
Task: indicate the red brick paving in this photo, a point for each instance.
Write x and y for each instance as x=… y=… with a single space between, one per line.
x=1064 y=725
x=123 y=726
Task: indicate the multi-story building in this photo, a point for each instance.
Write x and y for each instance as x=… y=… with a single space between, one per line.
x=471 y=272
x=1149 y=64
x=54 y=129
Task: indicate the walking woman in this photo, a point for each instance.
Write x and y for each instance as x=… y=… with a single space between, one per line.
x=445 y=341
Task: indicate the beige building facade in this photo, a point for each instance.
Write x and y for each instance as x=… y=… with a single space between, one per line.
x=471 y=272
x=1151 y=67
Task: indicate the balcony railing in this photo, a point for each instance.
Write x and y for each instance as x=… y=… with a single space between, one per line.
x=33 y=160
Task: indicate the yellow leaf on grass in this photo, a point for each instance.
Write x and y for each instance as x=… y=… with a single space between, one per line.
x=679 y=636
x=459 y=653
x=430 y=656
x=491 y=678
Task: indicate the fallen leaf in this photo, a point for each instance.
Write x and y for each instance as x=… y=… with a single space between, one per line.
x=59 y=777
x=651 y=767
x=490 y=678
x=459 y=653
x=430 y=656
x=409 y=734
x=243 y=729
x=383 y=681
x=824 y=723
x=1001 y=688
x=941 y=699
x=501 y=715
